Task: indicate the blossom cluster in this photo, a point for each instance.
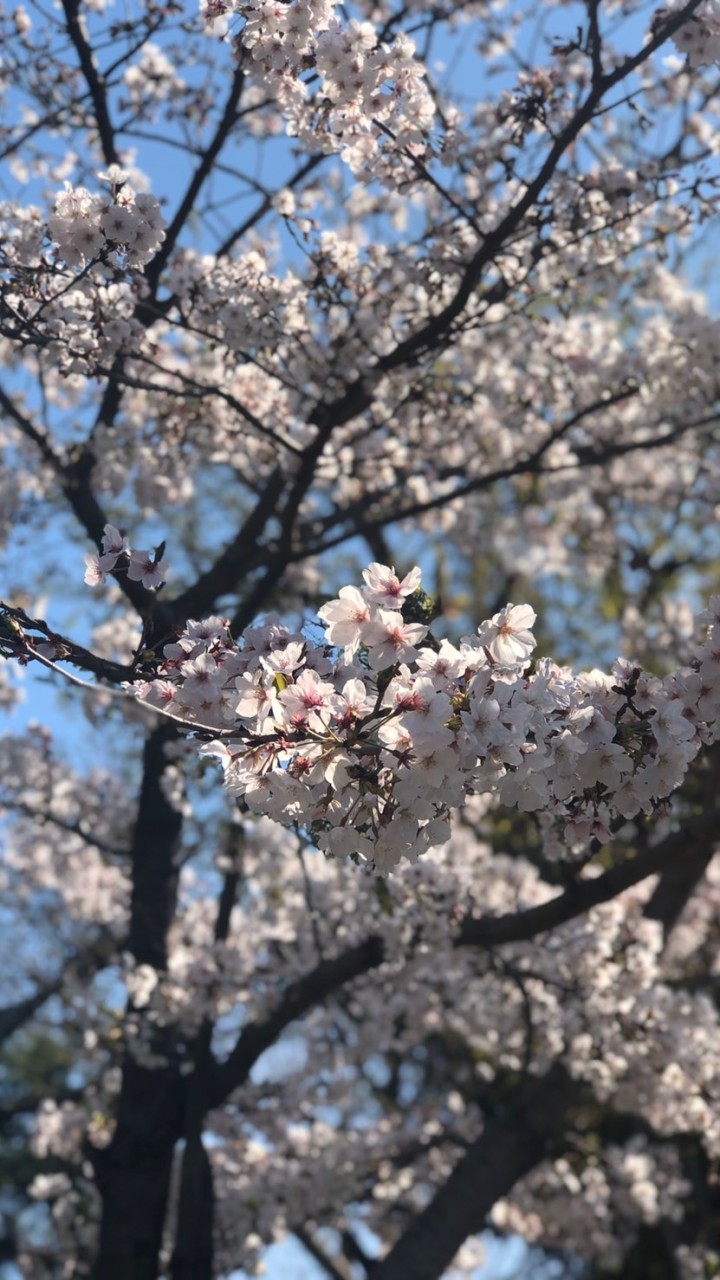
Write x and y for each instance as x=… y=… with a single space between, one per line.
x=146 y=567
x=699 y=37
x=564 y=994
x=369 y=91
x=369 y=739
x=60 y=843
x=151 y=77
x=598 y=1204
x=83 y=225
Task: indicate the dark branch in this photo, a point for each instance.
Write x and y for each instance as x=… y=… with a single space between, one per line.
x=489 y=931
x=231 y=565
x=94 y=81
x=511 y=1144
x=299 y=998
x=73 y=478
x=200 y=176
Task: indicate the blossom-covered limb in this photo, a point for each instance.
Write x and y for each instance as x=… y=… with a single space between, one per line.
x=489 y=931
x=382 y=730
x=431 y=336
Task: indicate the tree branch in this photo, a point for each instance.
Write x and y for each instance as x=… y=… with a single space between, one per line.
x=95 y=956
x=266 y=204
x=521 y=926
x=73 y=478
x=227 y=572
x=94 y=81
x=328 y=1264
x=202 y=172
x=14 y=1016
x=510 y=1145
x=299 y=998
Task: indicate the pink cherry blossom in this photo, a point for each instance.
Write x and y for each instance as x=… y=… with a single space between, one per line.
x=345 y=618
x=508 y=637
x=308 y=702
x=383 y=587
x=143 y=567
x=98 y=566
x=391 y=640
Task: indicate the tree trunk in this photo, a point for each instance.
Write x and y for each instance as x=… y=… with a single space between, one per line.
x=133 y=1175
x=193 y=1254
x=133 y=1172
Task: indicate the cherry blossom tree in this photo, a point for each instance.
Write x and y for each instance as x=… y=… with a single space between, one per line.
x=363 y=889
